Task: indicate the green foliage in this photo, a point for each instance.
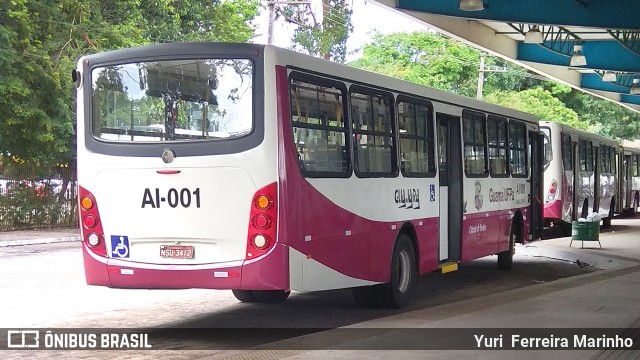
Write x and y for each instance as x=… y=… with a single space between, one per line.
x=436 y=61
x=326 y=38
x=539 y=102
x=36 y=196
x=28 y=203
x=603 y=117
x=423 y=58
x=40 y=42
x=34 y=124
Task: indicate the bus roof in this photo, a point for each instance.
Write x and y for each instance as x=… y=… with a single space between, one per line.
x=309 y=64
x=322 y=67
x=582 y=133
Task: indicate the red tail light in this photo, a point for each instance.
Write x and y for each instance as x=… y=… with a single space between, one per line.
x=263 y=221
x=553 y=189
x=91 y=226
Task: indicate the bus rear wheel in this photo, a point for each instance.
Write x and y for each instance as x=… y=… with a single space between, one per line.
x=261 y=296
x=397 y=292
x=244 y=295
x=606 y=222
x=505 y=258
x=270 y=296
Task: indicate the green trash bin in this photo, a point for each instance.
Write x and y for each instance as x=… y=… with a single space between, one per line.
x=585 y=231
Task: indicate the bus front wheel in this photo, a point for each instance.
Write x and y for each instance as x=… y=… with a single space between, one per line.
x=397 y=292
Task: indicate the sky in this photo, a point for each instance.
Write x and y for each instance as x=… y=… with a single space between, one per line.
x=367 y=17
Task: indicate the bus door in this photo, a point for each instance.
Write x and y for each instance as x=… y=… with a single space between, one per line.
x=619 y=178
x=450 y=178
x=536 y=139
x=597 y=172
x=577 y=180
x=627 y=181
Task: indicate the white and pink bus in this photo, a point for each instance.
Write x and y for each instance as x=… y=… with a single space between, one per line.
x=260 y=170
x=629 y=165
x=580 y=174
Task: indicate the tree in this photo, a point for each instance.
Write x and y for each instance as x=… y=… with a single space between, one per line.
x=35 y=121
x=434 y=60
x=41 y=40
x=192 y=20
x=604 y=117
x=322 y=35
x=539 y=102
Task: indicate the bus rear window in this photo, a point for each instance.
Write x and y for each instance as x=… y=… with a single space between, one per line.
x=174 y=100
x=548 y=149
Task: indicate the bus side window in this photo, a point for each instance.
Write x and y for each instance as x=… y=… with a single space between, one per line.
x=319 y=126
x=417 y=137
x=497 y=133
x=373 y=130
x=518 y=149
x=567 y=158
x=475 y=144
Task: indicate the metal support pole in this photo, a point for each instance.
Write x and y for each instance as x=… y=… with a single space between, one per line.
x=272 y=16
x=481 y=76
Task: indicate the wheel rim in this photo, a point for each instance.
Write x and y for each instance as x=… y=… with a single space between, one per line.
x=404 y=271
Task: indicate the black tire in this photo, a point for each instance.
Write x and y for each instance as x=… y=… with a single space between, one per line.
x=505 y=258
x=565 y=229
x=404 y=273
x=365 y=296
x=606 y=222
x=270 y=296
x=244 y=295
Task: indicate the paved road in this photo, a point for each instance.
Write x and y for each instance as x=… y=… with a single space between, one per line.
x=43 y=286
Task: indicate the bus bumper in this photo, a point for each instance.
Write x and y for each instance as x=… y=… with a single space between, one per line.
x=269 y=272
x=553 y=210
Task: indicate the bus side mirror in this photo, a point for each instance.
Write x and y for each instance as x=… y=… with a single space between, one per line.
x=548 y=153
x=77 y=79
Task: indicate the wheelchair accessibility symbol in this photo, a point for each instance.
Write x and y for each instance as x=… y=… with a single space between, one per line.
x=119 y=246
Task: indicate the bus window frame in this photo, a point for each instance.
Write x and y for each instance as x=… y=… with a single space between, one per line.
x=475 y=116
x=605 y=159
x=566 y=149
x=583 y=155
x=546 y=143
x=188 y=51
x=525 y=149
x=499 y=119
x=429 y=136
x=326 y=82
x=370 y=91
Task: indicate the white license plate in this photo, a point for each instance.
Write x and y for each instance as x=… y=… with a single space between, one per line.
x=177 y=251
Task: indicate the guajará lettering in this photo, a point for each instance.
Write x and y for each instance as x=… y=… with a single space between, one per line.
x=173 y=197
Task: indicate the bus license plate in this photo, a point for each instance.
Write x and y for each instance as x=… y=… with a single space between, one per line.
x=176 y=251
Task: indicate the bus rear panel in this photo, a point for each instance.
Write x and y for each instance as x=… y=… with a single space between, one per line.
x=175 y=191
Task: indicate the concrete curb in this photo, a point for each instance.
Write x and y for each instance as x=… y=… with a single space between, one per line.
x=8 y=243
x=600 y=261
